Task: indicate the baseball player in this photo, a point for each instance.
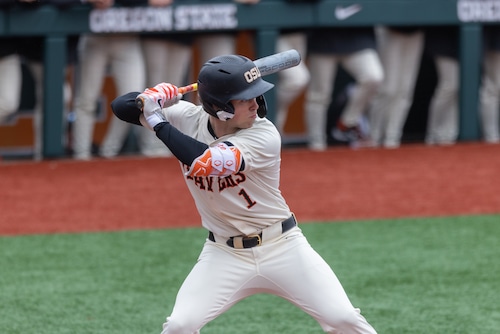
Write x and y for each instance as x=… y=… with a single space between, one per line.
x=490 y=85
x=10 y=78
x=442 y=44
x=121 y=56
x=353 y=48
x=400 y=49
x=229 y=154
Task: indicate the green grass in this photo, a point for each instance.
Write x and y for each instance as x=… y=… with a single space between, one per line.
x=439 y=275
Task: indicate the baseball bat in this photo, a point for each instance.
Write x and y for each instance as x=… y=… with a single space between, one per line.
x=267 y=65
x=278 y=62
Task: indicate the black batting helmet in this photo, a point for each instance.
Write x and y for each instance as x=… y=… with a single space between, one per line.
x=230 y=77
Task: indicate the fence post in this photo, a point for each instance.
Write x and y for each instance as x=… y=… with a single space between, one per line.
x=470 y=76
x=53 y=106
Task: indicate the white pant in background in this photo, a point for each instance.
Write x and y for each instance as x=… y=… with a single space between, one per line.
x=442 y=125
x=400 y=54
x=364 y=66
x=490 y=97
x=293 y=81
x=165 y=61
x=213 y=45
x=123 y=55
x=10 y=85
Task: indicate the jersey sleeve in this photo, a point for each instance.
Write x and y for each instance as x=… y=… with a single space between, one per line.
x=222 y=159
x=260 y=145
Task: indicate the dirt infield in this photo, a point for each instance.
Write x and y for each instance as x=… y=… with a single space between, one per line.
x=338 y=185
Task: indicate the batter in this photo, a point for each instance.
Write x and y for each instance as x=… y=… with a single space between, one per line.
x=230 y=156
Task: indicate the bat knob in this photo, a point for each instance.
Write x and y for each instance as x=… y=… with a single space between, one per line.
x=139 y=102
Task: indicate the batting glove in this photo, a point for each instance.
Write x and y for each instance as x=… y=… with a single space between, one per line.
x=152 y=100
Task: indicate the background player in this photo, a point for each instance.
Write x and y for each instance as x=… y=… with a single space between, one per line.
x=400 y=49
x=121 y=56
x=353 y=48
x=230 y=155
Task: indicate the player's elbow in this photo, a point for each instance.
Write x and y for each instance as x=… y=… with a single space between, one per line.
x=124 y=108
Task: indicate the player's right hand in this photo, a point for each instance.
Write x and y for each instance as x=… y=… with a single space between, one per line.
x=171 y=93
x=164 y=95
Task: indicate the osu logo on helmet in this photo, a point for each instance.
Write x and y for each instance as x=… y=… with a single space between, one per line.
x=252 y=74
x=231 y=77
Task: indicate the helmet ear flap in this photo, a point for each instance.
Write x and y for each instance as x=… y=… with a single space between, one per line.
x=262 y=110
x=217 y=109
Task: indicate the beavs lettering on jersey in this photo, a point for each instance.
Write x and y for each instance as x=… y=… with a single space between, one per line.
x=218 y=184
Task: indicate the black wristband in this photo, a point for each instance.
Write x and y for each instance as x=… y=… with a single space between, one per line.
x=159 y=126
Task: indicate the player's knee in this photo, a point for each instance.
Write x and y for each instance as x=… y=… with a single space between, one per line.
x=321 y=98
x=86 y=107
x=371 y=85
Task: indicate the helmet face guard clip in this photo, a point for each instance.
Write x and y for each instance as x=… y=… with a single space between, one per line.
x=224 y=115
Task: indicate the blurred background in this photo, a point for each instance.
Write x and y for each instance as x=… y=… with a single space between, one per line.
x=375 y=74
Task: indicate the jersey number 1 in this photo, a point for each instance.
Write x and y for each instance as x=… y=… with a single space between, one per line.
x=247 y=198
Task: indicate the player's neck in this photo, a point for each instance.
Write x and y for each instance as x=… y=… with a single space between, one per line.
x=220 y=128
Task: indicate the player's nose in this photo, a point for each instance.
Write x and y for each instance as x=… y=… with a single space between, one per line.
x=254 y=105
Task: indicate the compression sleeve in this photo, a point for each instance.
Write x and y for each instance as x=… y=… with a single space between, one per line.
x=125 y=109
x=185 y=148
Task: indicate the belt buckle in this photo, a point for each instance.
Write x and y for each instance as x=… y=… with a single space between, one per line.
x=259 y=239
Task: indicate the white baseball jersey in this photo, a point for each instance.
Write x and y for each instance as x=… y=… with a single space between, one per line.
x=221 y=200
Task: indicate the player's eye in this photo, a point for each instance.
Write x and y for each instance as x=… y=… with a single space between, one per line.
x=242 y=102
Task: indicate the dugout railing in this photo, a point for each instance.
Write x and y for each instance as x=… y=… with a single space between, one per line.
x=265 y=19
